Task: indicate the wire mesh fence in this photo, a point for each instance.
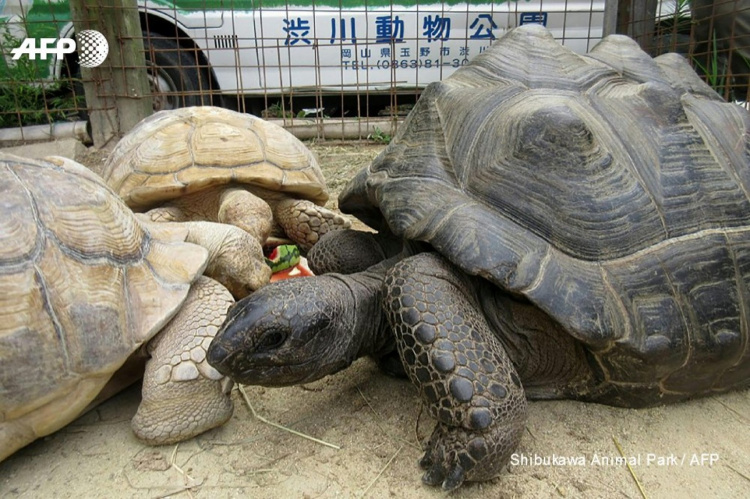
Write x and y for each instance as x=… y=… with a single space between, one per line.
x=714 y=35
x=355 y=65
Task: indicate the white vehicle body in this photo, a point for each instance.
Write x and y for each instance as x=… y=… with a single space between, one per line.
x=275 y=49
x=255 y=47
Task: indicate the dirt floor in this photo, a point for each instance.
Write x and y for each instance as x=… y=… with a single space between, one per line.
x=371 y=426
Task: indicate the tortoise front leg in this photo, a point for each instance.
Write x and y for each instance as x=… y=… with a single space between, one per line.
x=305 y=222
x=461 y=370
x=242 y=208
x=182 y=395
x=349 y=251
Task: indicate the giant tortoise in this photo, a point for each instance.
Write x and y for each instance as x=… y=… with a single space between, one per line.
x=551 y=226
x=209 y=163
x=84 y=286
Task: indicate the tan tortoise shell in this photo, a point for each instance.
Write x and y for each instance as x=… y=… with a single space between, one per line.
x=181 y=151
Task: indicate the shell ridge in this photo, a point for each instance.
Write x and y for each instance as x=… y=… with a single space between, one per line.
x=680 y=75
x=94 y=257
x=572 y=292
x=131 y=321
x=627 y=324
x=543 y=264
x=190 y=136
x=464 y=173
x=672 y=305
x=47 y=306
x=684 y=310
x=261 y=142
x=683 y=144
x=417 y=231
x=49 y=235
x=103 y=256
x=461 y=179
x=697 y=235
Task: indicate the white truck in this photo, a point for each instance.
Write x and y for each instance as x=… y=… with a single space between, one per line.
x=262 y=47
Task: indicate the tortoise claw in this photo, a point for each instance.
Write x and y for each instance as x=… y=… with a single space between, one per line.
x=455 y=478
x=434 y=476
x=426 y=461
x=436 y=467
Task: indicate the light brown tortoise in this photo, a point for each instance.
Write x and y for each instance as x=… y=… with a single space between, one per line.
x=572 y=226
x=84 y=287
x=209 y=163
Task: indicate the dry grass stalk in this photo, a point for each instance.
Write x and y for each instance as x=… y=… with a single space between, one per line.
x=276 y=425
x=630 y=468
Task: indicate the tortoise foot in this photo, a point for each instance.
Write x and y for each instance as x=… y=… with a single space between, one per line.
x=454 y=454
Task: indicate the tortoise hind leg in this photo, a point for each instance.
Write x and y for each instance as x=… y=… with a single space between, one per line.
x=182 y=395
x=460 y=368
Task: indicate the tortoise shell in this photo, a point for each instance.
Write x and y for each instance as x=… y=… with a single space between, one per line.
x=611 y=190
x=82 y=286
x=181 y=151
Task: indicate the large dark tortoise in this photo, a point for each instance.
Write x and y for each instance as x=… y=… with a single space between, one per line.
x=573 y=227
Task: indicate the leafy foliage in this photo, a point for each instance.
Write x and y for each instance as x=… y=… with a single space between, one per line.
x=25 y=97
x=380 y=136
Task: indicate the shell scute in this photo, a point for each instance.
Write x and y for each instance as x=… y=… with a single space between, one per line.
x=220 y=144
x=32 y=355
x=19 y=234
x=82 y=216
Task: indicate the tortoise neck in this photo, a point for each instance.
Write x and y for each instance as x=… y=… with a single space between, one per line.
x=369 y=330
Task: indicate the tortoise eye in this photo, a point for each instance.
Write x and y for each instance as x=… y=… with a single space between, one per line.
x=270 y=340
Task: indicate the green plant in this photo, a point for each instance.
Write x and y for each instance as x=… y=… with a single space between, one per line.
x=380 y=136
x=714 y=70
x=682 y=9
x=276 y=110
x=677 y=20
x=24 y=98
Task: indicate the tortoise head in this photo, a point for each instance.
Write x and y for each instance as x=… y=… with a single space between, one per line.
x=286 y=333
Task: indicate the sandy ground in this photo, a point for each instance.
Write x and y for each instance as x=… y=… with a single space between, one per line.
x=696 y=449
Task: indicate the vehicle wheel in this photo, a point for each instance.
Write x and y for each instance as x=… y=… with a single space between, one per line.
x=174 y=75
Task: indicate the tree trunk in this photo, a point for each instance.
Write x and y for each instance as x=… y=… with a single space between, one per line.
x=637 y=19
x=117 y=91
